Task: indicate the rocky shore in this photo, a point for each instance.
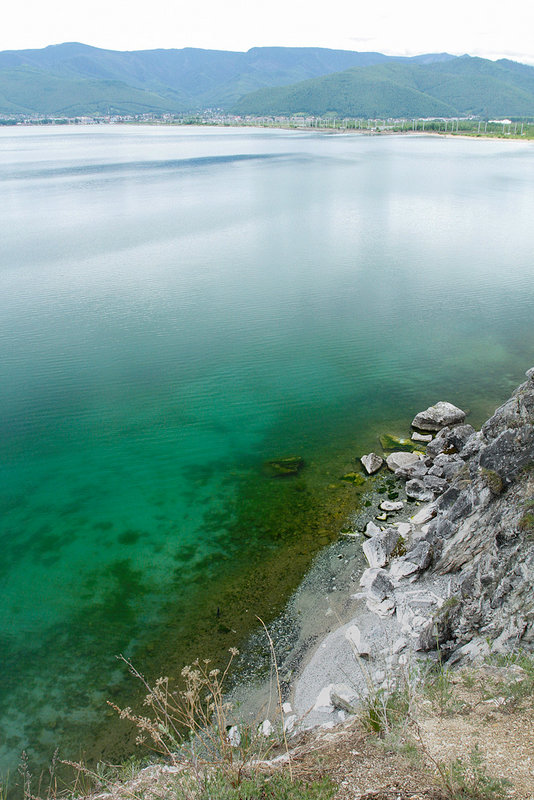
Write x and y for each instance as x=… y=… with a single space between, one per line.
x=452 y=581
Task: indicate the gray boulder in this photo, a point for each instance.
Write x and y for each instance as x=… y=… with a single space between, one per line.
x=343 y=697
x=438 y=416
x=417 y=490
x=414 y=470
x=435 y=484
x=400 y=460
x=421 y=555
x=377 y=584
x=371 y=529
x=439 y=444
x=510 y=452
x=450 y=440
x=379 y=548
x=447 y=466
x=459 y=436
x=372 y=463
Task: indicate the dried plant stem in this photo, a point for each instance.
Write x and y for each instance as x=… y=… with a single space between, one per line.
x=275 y=664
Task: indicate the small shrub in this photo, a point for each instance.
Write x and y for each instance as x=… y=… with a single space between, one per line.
x=439 y=689
x=469 y=780
x=399 y=549
x=278 y=786
x=198 y=728
x=385 y=711
x=518 y=688
x=526 y=523
x=493 y=481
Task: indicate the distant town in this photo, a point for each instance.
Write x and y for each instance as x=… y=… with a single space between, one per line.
x=467 y=126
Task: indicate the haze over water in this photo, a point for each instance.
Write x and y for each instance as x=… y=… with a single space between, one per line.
x=178 y=305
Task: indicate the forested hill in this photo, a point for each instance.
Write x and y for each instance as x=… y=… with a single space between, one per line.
x=73 y=79
x=454 y=87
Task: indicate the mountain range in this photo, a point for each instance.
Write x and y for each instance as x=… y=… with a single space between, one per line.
x=74 y=79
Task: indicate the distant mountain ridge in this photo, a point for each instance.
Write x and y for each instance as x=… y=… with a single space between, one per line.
x=459 y=87
x=74 y=79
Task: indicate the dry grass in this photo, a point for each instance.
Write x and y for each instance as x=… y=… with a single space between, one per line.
x=485 y=737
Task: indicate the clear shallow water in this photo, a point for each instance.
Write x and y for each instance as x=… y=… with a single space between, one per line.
x=177 y=306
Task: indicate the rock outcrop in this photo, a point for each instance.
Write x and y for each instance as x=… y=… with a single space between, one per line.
x=458 y=575
x=478 y=530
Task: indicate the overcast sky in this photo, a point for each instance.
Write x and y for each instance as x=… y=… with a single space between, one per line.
x=489 y=28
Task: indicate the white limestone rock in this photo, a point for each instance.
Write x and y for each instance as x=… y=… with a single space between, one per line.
x=376 y=584
x=392 y=505
x=371 y=529
x=289 y=723
x=357 y=642
x=234 y=737
x=402 y=569
x=399 y=644
x=323 y=702
x=425 y=514
x=384 y=609
x=421 y=437
x=404 y=529
x=438 y=416
x=266 y=728
x=379 y=548
x=372 y=463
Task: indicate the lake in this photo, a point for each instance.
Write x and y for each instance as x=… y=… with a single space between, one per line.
x=180 y=305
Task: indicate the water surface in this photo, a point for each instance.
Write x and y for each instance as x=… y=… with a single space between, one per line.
x=176 y=307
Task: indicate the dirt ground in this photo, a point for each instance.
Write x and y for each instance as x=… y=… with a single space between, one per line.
x=447 y=743
x=474 y=717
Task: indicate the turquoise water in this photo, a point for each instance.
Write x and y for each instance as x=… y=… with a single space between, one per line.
x=176 y=307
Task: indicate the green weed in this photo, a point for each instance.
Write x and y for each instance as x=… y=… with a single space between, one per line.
x=278 y=786
x=468 y=779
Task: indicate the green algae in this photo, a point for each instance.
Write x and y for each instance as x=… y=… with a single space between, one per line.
x=280 y=467
x=356 y=478
x=391 y=442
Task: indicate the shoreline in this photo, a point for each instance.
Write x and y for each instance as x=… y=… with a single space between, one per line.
x=358 y=635
x=281 y=127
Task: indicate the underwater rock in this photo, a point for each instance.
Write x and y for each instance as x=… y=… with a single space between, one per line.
x=355 y=478
x=372 y=463
x=436 y=417
x=285 y=466
x=390 y=442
